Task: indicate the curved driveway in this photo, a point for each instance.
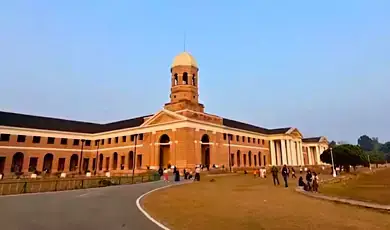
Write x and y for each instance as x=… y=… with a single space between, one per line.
x=103 y=208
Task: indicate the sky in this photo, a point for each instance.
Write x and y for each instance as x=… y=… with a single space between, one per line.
x=320 y=66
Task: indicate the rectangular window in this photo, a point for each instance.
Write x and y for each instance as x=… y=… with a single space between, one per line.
x=96 y=142
x=116 y=139
x=109 y=140
x=141 y=136
x=258 y=141
x=132 y=138
x=243 y=139
x=76 y=142
x=4 y=137
x=50 y=140
x=64 y=141
x=124 y=139
x=237 y=138
x=263 y=142
x=102 y=141
x=254 y=140
x=224 y=136
x=249 y=140
x=21 y=138
x=36 y=139
x=87 y=142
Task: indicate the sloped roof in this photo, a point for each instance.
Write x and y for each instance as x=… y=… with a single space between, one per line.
x=56 y=124
x=311 y=139
x=252 y=128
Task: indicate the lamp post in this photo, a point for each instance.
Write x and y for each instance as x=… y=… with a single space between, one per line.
x=369 y=163
x=97 y=154
x=331 y=155
x=229 y=157
x=134 y=155
x=81 y=156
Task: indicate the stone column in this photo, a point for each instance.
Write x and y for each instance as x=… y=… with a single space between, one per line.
x=294 y=152
x=278 y=149
x=111 y=162
x=309 y=156
x=318 y=155
x=300 y=154
x=289 y=153
x=273 y=153
x=283 y=148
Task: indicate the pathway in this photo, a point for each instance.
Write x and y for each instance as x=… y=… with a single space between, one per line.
x=102 y=208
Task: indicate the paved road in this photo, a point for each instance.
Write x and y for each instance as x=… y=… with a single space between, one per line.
x=108 y=208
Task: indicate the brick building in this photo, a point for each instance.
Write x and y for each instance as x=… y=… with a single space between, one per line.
x=180 y=134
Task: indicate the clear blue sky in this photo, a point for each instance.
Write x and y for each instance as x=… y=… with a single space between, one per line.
x=321 y=67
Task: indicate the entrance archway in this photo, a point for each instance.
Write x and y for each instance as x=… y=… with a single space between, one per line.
x=131 y=160
x=74 y=159
x=259 y=156
x=164 y=154
x=115 y=161
x=101 y=162
x=48 y=162
x=205 y=150
x=17 y=162
x=238 y=158
x=250 y=158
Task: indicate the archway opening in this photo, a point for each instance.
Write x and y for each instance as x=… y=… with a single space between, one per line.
x=115 y=161
x=74 y=159
x=48 y=163
x=259 y=156
x=101 y=161
x=244 y=158
x=131 y=160
x=205 y=150
x=164 y=155
x=2 y=164
x=238 y=158
x=17 y=162
x=250 y=158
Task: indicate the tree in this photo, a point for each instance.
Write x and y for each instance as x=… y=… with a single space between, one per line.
x=366 y=143
x=345 y=155
x=376 y=157
x=385 y=147
x=332 y=144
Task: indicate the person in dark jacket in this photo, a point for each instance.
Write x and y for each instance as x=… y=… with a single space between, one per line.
x=285 y=175
x=177 y=175
x=309 y=179
x=274 y=172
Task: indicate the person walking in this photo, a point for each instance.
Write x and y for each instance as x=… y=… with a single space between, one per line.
x=309 y=178
x=285 y=175
x=293 y=173
x=274 y=172
x=166 y=175
x=197 y=174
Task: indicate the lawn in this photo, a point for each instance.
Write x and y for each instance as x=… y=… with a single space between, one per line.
x=373 y=187
x=242 y=202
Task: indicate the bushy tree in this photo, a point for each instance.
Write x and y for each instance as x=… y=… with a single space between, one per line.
x=376 y=157
x=345 y=155
x=366 y=143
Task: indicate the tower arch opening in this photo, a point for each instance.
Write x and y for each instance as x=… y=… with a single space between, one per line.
x=185 y=78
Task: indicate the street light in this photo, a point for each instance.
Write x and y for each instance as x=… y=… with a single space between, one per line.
x=96 y=159
x=369 y=163
x=229 y=157
x=331 y=155
x=81 y=155
x=134 y=158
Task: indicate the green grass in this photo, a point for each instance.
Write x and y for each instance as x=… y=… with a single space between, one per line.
x=243 y=202
x=372 y=187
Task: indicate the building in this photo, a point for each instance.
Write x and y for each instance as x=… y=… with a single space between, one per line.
x=180 y=134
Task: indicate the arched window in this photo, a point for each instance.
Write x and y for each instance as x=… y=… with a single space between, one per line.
x=185 y=78
x=193 y=80
x=176 y=79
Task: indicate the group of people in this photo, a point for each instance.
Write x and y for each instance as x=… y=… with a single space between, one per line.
x=311 y=182
x=188 y=175
x=311 y=178
x=260 y=173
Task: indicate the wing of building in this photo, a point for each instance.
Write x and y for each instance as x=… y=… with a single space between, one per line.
x=180 y=134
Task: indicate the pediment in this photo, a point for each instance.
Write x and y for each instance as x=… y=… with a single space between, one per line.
x=162 y=117
x=295 y=133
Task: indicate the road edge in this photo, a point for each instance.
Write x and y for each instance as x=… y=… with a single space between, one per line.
x=146 y=214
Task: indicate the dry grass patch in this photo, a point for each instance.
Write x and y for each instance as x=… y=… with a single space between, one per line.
x=242 y=202
x=373 y=187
